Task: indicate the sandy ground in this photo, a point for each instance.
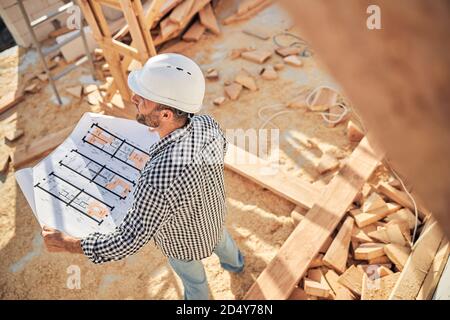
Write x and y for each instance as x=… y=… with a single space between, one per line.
x=257 y=219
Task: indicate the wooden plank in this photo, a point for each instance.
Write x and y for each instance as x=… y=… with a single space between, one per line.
x=364 y=219
x=40 y=148
x=360 y=236
x=378 y=289
x=137 y=34
x=208 y=19
x=397 y=254
x=298 y=294
x=247 y=5
x=352 y=279
x=317 y=262
x=239 y=17
x=341 y=292
x=246 y=81
x=373 y=202
x=290 y=264
x=337 y=254
x=327 y=163
x=233 y=90
x=402 y=198
x=434 y=274
x=172 y=29
x=368 y=251
x=258 y=56
x=252 y=167
x=195 y=32
x=181 y=11
x=404 y=215
x=317 y=276
x=379 y=260
x=418 y=264
x=142 y=22
x=10 y=100
x=316 y=289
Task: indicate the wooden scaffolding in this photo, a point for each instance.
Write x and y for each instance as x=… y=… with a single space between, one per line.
x=117 y=54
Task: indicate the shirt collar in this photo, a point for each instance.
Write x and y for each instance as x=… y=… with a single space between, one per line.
x=171 y=137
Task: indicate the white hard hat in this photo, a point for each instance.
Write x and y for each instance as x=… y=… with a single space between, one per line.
x=170 y=79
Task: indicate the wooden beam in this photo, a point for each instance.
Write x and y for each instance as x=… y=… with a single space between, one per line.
x=252 y=167
x=434 y=274
x=302 y=246
x=418 y=264
x=337 y=254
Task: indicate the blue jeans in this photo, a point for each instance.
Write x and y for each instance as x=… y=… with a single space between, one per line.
x=193 y=275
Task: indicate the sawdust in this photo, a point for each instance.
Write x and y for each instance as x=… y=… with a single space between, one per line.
x=257 y=219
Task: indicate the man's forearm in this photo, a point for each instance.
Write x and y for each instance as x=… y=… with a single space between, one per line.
x=74 y=246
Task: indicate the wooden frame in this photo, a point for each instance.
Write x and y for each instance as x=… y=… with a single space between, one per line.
x=117 y=54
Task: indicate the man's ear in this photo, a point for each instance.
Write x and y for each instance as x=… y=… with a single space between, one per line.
x=167 y=114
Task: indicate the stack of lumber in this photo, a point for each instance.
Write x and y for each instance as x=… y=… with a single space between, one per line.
x=371 y=254
x=247 y=9
x=186 y=19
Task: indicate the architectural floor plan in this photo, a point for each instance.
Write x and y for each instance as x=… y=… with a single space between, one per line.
x=86 y=185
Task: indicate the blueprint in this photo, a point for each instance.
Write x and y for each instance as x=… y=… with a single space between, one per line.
x=86 y=184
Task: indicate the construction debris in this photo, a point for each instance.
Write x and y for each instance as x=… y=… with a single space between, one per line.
x=258 y=56
x=195 y=32
x=13 y=135
x=208 y=19
x=219 y=100
x=236 y=53
x=257 y=31
x=4 y=162
x=323 y=99
x=269 y=73
x=279 y=66
x=293 y=61
x=246 y=80
x=247 y=9
x=32 y=88
x=43 y=76
x=212 y=74
x=288 y=51
x=10 y=100
x=233 y=90
x=354 y=132
x=75 y=91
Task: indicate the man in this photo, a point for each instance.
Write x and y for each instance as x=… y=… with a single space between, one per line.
x=180 y=196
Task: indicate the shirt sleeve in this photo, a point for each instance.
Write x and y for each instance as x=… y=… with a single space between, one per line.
x=141 y=222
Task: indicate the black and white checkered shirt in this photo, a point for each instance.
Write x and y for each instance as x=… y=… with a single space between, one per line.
x=179 y=199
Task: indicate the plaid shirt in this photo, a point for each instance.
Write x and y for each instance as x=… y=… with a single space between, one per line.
x=179 y=199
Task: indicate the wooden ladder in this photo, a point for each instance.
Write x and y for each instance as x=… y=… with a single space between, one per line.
x=118 y=54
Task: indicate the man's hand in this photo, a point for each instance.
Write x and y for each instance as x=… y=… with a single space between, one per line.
x=56 y=241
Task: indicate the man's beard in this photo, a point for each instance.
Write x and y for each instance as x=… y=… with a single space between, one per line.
x=148 y=120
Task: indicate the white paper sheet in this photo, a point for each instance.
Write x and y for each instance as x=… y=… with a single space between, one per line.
x=86 y=184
